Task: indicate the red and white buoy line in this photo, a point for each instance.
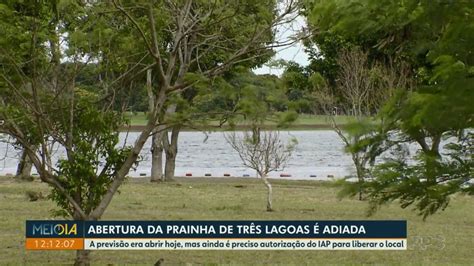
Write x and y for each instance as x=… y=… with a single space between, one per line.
x=190 y=174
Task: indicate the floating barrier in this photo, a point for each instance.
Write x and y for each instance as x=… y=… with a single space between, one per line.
x=226 y=174
x=285 y=175
x=313 y=176
x=246 y=175
x=207 y=174
x=188 y=174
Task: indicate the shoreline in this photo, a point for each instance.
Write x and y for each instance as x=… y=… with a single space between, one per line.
x=138 y=128
x=205 y=179
x=181 y=180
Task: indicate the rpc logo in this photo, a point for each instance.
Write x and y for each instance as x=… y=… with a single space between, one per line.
x=49 y=229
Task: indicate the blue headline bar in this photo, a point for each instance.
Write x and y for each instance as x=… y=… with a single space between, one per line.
x=217 y=229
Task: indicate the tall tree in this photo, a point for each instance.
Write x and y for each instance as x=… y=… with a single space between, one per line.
x=199 y=40
x=298 y=86
x=239 y=96
x=41 y=101
x=42 y=106
x=435 y=38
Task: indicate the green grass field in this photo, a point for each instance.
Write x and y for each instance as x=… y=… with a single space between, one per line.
x=444 y=239
x=302 y=122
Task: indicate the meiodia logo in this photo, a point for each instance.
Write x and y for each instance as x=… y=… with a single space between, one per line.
x=48 y=229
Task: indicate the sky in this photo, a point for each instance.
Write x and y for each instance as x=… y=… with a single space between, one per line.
x=292 y=53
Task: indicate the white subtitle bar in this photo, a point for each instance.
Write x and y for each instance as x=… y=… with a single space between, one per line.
x=244 y=244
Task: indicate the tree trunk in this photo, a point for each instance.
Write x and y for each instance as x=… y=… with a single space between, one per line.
x=169 y=167
x=269 y=193
x=156 y=141
x=360 y=170
x=82 y=258
x=157 y=157
x=360 y=177
x=171 y=150
x=25 y=165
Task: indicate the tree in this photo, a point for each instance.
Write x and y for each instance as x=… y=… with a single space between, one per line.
x=239 y=95
x=24 y=167
x=433 y=38
x=262 y=152
x=42 y=105
x=157 y=137
x=41 y=101
x=351 y=135
x=323 y=98
x=355 y=81
x=195 y=28
x=340 y=32
x=298 y=89
x=366 y=87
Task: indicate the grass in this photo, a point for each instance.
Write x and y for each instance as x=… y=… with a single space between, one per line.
x=449 y=235
x=137 y=119
x=304 y=121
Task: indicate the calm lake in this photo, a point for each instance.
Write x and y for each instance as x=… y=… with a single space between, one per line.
x=319 y=153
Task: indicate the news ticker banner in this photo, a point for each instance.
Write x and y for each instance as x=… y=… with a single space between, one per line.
x=216 y=235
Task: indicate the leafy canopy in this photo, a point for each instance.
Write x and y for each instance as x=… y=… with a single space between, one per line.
x=436 y=38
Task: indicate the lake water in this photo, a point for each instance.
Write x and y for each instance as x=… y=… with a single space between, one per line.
x=319 y=153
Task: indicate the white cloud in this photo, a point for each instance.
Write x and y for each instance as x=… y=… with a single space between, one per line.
x=294 y=52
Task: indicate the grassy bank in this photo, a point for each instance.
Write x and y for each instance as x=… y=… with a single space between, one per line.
x=448 y=235
x=303 y=122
